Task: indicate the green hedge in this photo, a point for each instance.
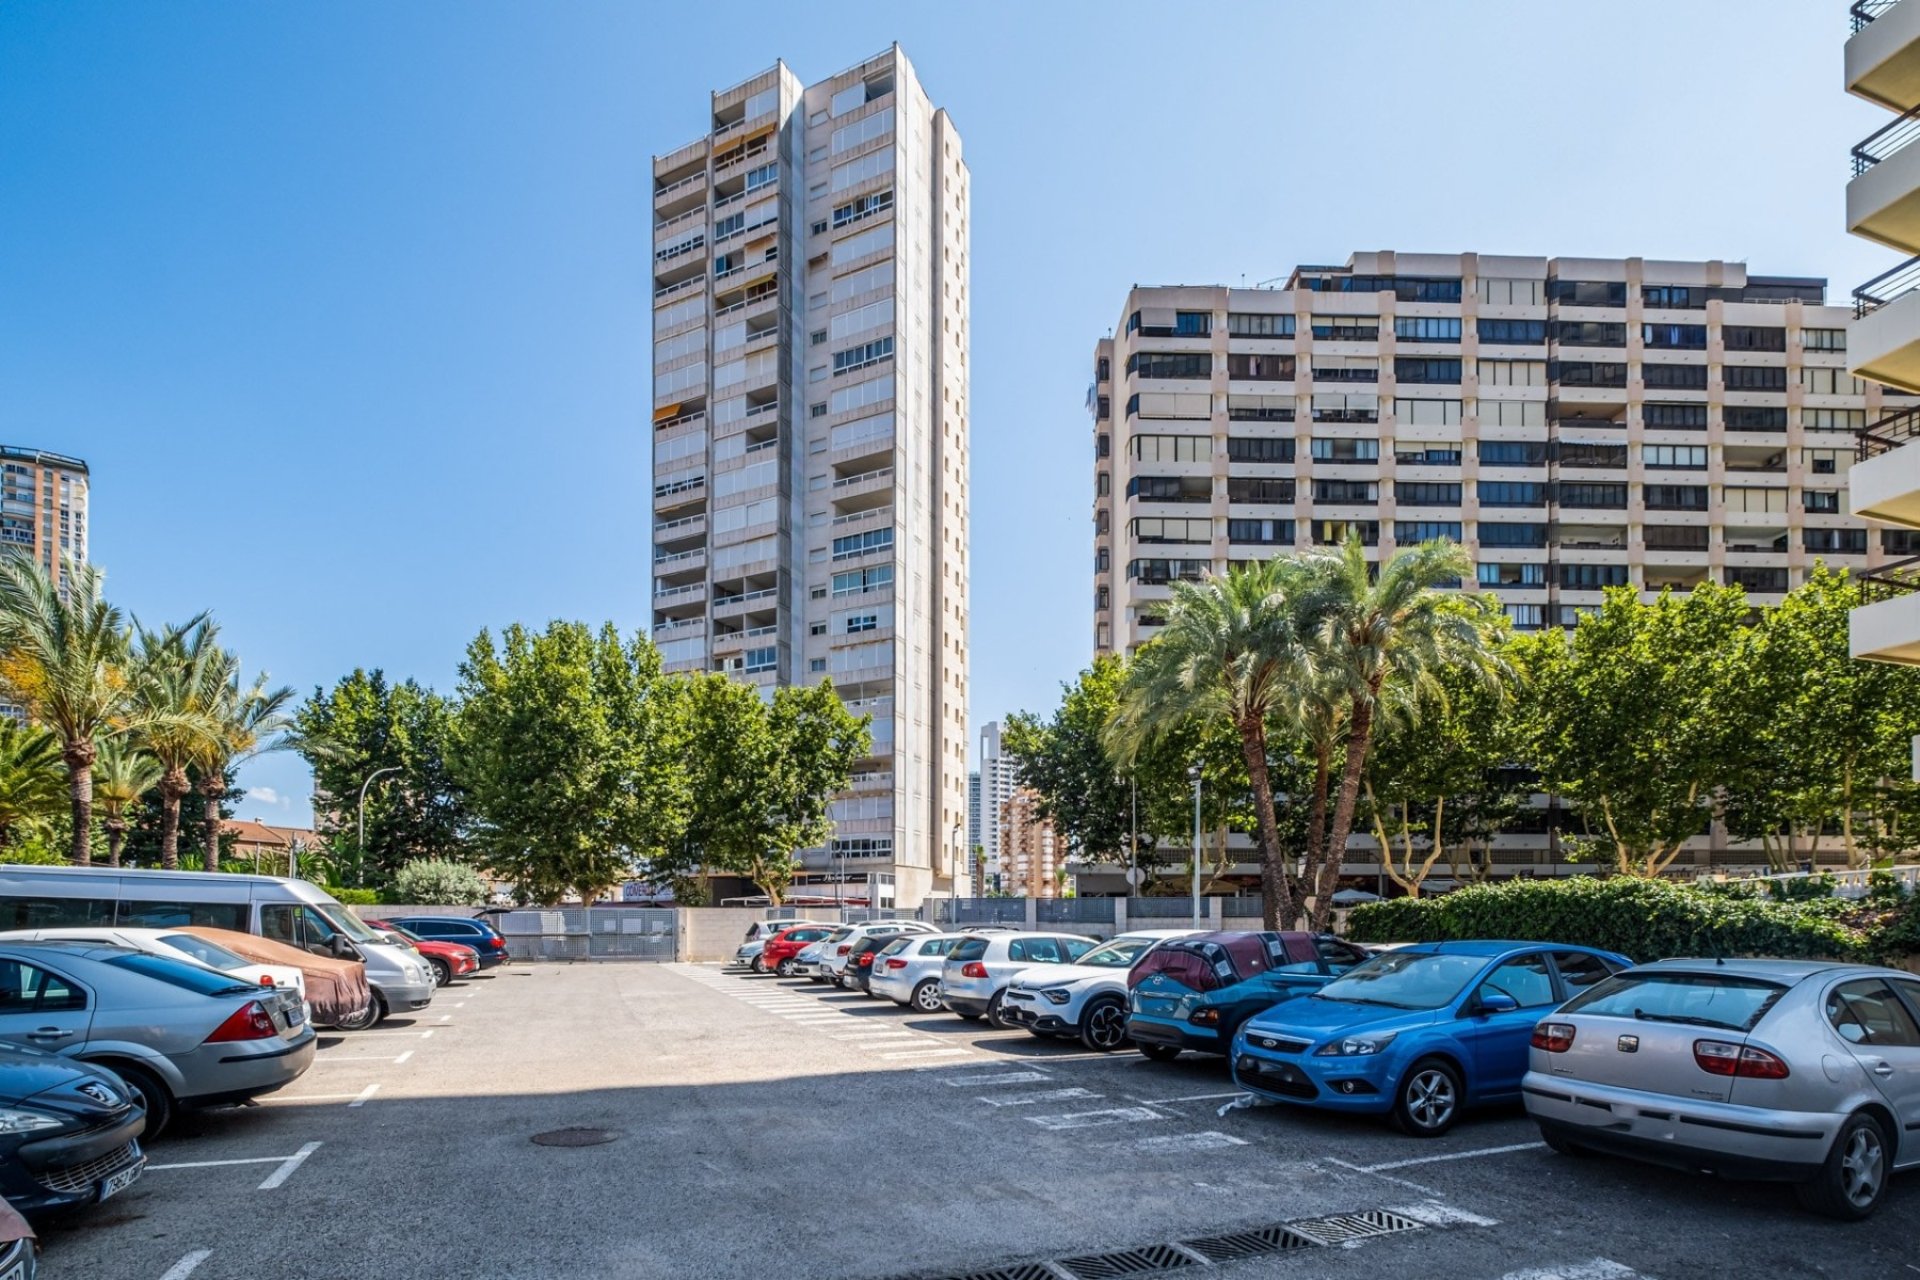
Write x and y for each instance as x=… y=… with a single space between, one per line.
x=353 y=897
x=1644 y=919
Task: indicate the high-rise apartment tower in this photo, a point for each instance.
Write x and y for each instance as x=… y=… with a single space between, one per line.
x=43 y=507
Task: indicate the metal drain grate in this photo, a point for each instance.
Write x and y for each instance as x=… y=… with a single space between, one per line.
x=1342 y=1227
x=1024 y=1271
x=1126 y=1262
x=1249 y=1244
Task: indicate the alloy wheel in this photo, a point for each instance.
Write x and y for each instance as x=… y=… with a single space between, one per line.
x=926 y=997
x=1430 y=1098
x=1863 y=1167
x=1107 y=1025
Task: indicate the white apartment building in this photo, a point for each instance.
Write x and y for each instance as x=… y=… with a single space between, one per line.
x=1883 y=343
x=998 y=782
x=43 y=507
x=1574 y=423
x=810 y=436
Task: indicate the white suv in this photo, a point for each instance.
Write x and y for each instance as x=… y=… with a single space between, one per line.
x=1087 y=999
x=978 y=970
x=838 y=947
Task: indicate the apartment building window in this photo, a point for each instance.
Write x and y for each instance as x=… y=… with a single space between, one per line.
x=863 y=356
x=1171 y=488
x=1266 y=533
x=1426 y=530
x=1170 y=364
x=1673 y=297
x=1426 y=369
x=762 y=659
x=1676 y=537
x=1405 y=288
x=1426 y=493
x=1587 y=293
x=1102 y=523
x=860 y=544
x=863 y=207
x=1260 y=408
x=1427 y=328
x=1506 y=292
x=1675 y=377
x=1192 y=324
x=1513 y=453
x=1586 y=373
x=1826 y=462
x=1499 y=534
x=1258 y=324
x=1581 y=453
x=1592 y=577
x=1341 y=449
x=1740 y=377
x=1511 y=493
x=1526 y=617
x=1353 y=491
x=1823 y=339
x=1346 y=328
x=1754 y=578
x=1748 y=500
x=1749 y=337
x=1900 y=542
x=1513 y=333
x=1331 y=533
x=760 y=177
x=1426 y=413
x=1502 y=574
x=1512 y=373
x=860 y=581
x=1102 y=599
x=1513 y=413
x=1846 y=542
x=862 y=130
x=1833 y=419
x=1674 y=337
x=1102 y=560
x=1252 y=489
x=1161 y=572
x=1680 y=457
x=1756 y=417
x=1259 y=449
x=1104 y=486
x=1103 y=370
x=1427 y=455
x=1590 y=495
x=1159 y=529
x=728 y=225
x=1825 y=382
x=1103 y=408
x=1820 y=501
x=1345 y=369
x=861 y=622
x=1172 y=448
x=1675 y=417
x=1248 y=367
x=1676 y=497
x=1591 y=333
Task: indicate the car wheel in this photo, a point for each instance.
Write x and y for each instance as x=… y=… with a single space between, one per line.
x=365 y=1018
x=1560 y=1144
x=759 y=964
x=154 y=1096
x=442 y=971
x=970 y=1017
x=994 y=1014
x=784 y=969
x=1103 y=1026
x=926 y=997
x=1160 y=1052
x=1853 y=1180
x=1428 y=1099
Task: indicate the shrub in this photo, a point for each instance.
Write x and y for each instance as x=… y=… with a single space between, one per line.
x=1643 y=919
x=433 y=882
x=1801 y=888
x=353 y=897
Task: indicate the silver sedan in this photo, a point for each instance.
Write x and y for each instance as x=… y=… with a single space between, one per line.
x=180 y=1034
x=1789 y=1070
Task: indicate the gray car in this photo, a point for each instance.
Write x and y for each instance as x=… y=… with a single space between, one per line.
x=975 y=974
x=1788 y=1070
x=180 y=1034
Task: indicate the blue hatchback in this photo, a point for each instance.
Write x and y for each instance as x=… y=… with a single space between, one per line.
x=1419 y=1033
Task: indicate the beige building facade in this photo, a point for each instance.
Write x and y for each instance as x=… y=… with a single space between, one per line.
x=810 y=436
x=1030 y=858
x=43 y=507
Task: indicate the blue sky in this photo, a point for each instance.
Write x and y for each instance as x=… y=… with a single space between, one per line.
x=347 y=304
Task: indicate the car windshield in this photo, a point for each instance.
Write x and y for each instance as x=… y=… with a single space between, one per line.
x=179 y=973
x=343 y=920
x=840 y=935
x=207 y=953
x=895 y=947
x=1118 y=954
x=1406 y=980
x=1693 y=999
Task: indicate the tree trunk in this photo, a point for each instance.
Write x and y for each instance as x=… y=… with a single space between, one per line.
x=79 y=760
x=1359 y=736
x=215 y=786
x=116 y=837
x=1276 y=899
x=1317 y=815
x=173 y=786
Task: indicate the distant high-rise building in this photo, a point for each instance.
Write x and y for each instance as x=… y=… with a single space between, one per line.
x=1030 y=857
x=810 y=436
x=998 y=781
x=43 y=507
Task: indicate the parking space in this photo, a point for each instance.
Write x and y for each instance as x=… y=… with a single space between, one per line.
x=641 y=1120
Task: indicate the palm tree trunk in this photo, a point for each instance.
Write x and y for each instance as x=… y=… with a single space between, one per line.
x=1276 y=900
x=172 y=788
x=1317 y=814
x=1359 y=737
x=116 y=837
x=79 y=759
x=215 y=787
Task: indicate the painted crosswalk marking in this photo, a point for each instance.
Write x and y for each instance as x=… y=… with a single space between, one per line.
x=1092 y=1119
x=1028 y=1099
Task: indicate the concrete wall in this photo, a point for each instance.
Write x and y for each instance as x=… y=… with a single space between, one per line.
x=712 y=933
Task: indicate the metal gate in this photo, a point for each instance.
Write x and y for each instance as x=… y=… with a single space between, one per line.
x=592 y=933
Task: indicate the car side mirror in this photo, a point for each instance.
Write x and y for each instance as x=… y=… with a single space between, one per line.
x=1492 y=1002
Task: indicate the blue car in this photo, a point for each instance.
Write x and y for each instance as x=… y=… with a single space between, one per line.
x=1418 y=1033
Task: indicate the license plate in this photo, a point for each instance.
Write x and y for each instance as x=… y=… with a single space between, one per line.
x=18 y=1271
x=295 y=1016
x=119 y=1182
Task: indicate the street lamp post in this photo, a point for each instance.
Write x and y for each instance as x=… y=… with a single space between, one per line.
x=360 y=845
x=1194 y=773
x=953 y=867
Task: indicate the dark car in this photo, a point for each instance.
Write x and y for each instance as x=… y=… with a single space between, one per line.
x=478 y=934
x=1193 y=993
x=69 y=1132
x=859 y=971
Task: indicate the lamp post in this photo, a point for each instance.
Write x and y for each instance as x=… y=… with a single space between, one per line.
x=1133 y=839
x=1194 y=773
x=360 y=845
x=953 y=867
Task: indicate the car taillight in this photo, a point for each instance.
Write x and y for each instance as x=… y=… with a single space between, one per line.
x=250 y=1021
x=843 y=950
x=1554 y=1037
x=973 y=970
x=1205 y=1017
x=1719 y=1058
x=896 y=964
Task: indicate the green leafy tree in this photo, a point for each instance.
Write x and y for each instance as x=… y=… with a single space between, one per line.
x=122 y=777
x=246 y=721
x=33 y=783
x=569 y=749
x=178 y=672
x=435 y=882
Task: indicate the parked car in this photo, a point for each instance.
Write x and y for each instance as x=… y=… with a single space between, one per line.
x=178 y=945
x=975 y=974
x=1419 y=1033
x=866 y=950
x=1193 y=993
x=19 y=1250
x=69 y=1135
x=338 y=994
x=478 y=934
x=1786 y=1070
x=750 y=954
x=448 y=960
x=179 y=1034
x=1086 y=1000
x=908 y=970
x=838 y=946
x=780 y=952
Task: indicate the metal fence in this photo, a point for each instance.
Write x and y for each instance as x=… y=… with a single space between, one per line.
x=590 y=933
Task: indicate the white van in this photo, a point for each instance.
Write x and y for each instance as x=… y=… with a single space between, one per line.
x=290 y=911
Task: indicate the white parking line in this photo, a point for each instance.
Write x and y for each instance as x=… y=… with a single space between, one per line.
x=286 y=1170
x=1051 y=1095
x=1001 y=1077
x=331 y=1058
x=1596 y=1269
x=187 y=1265
x=403 y=1057
x=1435 y=1214
x=1089 y=1119
x=365 y=1094
x=1206 y=1141
x=926 y=1053
x=214 y=1164
x=1384 y=1177
x=1192 y=1097
x=1456 y=1155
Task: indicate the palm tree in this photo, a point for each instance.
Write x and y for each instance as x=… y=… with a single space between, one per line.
x=1230 y=650
x=1378 y=640
x=247 y=722
x=122 y=775
x=63 y=653
x=33 y=784
x=178 y=673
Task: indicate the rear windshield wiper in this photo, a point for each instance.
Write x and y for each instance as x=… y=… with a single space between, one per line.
x=1686 y=1019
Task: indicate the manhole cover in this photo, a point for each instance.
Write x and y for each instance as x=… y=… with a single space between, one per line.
x=575 y=1137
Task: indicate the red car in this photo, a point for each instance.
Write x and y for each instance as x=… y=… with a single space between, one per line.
x=782 y=947
x=449 y=960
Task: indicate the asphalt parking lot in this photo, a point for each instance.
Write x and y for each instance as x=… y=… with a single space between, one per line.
x=764 y=1126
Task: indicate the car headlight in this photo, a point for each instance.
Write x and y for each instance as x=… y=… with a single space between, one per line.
x=21 y=1120
x=1356 y=1046
x=1057 y=995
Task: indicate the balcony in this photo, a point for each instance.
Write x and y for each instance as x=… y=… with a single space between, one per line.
x=685 y=527
x=1883 y=54
x=1883 y=343
x=1884 y=484
x=1887 y=627
x=678 y=196
x=727 y=641
x=1883 y=199
x=734 y=605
